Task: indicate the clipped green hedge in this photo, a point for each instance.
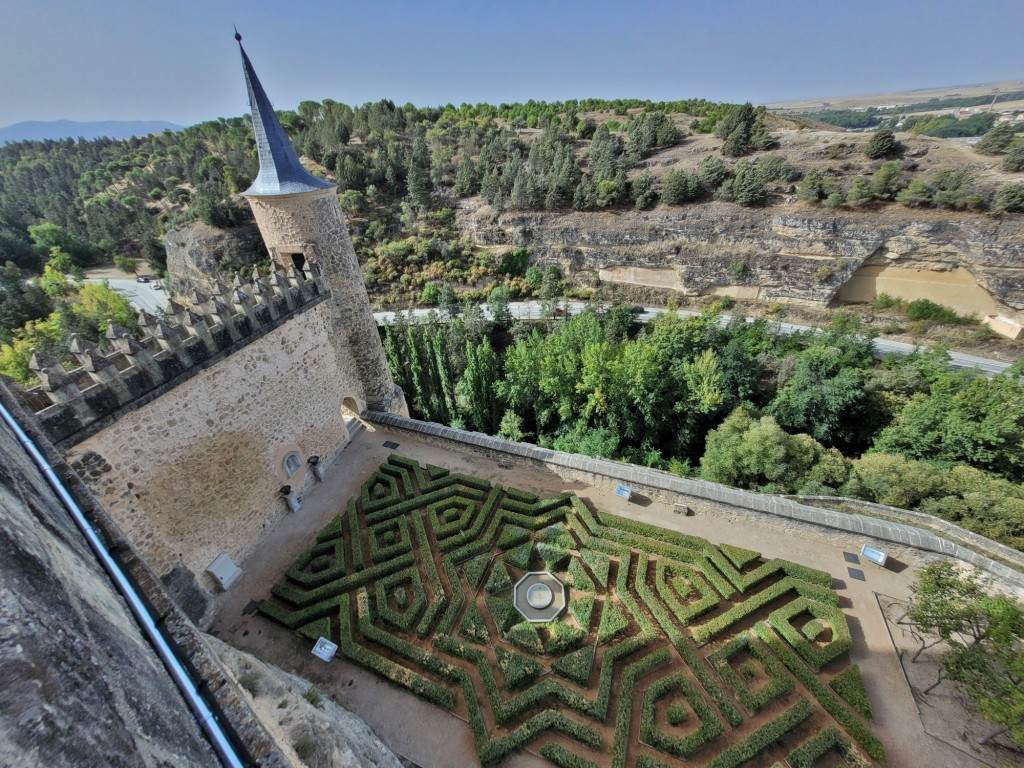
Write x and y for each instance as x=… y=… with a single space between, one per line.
x=678 y=746
x=764 y=737
x=816 y=657
x=711 y=629
x=499 y=579
x=575 y=666
x=517 y=669
x=561 y=637
x=819 y=745
x=692 y=580
x=850 y=686
x=304 y=571
x=563 y=758
x=613 y=622
x=354 y=538
x=421 y=686
x=600 y=564
x=333 y=530
x=739 y=556
x=317 y=629
x=779 y=685
x=524 y=635
x=512 y=535
x=403 y=620
x=503 y=613
x=582 y=607
x=476 y=568
x=578 y=578
x=380 y=548
x=371 y=503
x=524 y=497
x=625 y=700
x=519 y=557
x=472 y=534
x=832 y=704
x=438 y=599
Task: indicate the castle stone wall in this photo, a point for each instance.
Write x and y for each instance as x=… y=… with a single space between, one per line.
x=197 y=471
x=313 y=225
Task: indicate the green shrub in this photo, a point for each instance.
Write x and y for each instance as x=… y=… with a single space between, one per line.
x=524 y=635
x=517 y=669
x=780 y=682
x=476 y=568
x=816 y=657
x=561 y=637
x=563 y=758
x=613 y=622
x=575 y=666
x=677 y=713
x=738 y=556
x=678 y=746
x=251 y=682
x=503 y=613
x=764 y=737
x=499 y=579
x=511 y=536
x=821 y=692
x=850 y=685
x=520 y=556
x=314 y=696
x=808 y=753
x=304 y=749
x=473 y=626
x=599 y=564
x=582 y=607
x=923 y=309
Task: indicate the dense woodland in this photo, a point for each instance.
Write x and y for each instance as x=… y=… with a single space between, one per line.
x=812 y=414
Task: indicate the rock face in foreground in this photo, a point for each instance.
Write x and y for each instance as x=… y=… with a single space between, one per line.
x=198 y=253
x=331 y=735
x=81 y=686
x=787 y=252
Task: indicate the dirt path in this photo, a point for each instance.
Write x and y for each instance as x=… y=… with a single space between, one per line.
x=421 y=733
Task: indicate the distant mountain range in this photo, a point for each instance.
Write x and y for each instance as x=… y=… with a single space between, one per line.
x=35 y=130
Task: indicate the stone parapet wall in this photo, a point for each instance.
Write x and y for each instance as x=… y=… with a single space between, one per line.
x=71 y=405
x=974 y=549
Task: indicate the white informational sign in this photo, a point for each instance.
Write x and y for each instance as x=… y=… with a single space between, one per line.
x=325 y=649
x=624 y=491
x=876 y=556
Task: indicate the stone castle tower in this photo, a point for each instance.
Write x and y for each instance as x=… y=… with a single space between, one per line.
x=304 y=229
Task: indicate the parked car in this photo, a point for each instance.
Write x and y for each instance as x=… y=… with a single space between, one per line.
x=142 y=279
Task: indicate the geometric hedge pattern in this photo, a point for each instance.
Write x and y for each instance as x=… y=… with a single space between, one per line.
x=671 y=652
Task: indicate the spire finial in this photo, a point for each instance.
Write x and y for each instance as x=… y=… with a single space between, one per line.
x=238 y=36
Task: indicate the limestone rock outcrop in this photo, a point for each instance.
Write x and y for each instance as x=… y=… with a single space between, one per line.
x=300 y=719
x=788 y=252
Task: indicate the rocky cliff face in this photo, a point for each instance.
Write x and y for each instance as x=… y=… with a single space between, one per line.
x=197 y=254
x=790 y=252
x=81 y=686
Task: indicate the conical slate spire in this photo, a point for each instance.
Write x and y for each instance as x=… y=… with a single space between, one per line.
x=281 y=173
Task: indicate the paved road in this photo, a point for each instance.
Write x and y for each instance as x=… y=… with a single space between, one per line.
x=142 y=295
x=531 y=310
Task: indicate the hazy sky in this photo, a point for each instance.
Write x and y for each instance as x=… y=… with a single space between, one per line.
x=139 y=59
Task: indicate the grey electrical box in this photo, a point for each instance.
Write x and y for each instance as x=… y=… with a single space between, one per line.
x=224 y=571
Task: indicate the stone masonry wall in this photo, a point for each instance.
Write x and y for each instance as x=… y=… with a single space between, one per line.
x=197 y=471
x=312 y=224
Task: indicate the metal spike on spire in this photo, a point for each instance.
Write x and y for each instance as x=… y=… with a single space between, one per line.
x=281 y=173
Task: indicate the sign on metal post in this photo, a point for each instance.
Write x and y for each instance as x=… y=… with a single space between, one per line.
x=624 y=491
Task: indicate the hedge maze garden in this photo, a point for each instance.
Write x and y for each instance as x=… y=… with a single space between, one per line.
x=670 y=651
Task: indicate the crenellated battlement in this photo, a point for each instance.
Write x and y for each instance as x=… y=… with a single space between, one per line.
x=71 y=405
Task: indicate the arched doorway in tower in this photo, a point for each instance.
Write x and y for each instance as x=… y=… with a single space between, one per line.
x=350 y=413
